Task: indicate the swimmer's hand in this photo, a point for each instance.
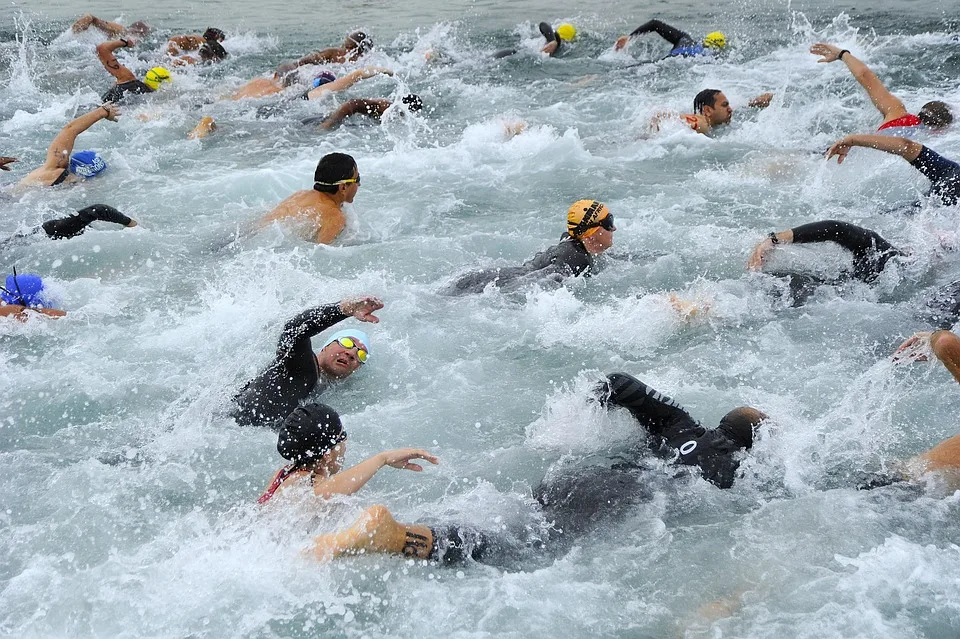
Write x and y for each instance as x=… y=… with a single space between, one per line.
x=915 y=349
x=128 y=41
x=840 y=148
x=113 y=111
x=4 y=161
x=755 y=263
x=132 y=224
x=761 y=101
x=401 y=458
x=829 y=52
x=622 y=41
x=362 y=308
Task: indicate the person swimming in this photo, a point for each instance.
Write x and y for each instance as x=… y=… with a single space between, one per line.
x=681 y=41
x=566 y=32
x=61 y=164
x=590 y=229
x=126 y=82
x=24 y=292
x=370 y=108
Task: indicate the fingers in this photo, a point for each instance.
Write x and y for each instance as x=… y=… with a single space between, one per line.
x=417 y=468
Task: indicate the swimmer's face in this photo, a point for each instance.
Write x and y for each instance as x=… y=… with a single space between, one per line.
x=332 y=460
x=720 y=112
x=350 y=190
x=338 y=362
x=599 y=242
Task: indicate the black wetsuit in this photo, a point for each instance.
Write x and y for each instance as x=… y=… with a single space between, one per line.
x=274 y=393
x=548 y=33
x=73 y=225
x=944 y=175
x=119 y=92
x=568 y=257
x=679 y=39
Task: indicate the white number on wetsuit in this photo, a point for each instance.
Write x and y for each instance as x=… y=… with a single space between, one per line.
x=688 y=447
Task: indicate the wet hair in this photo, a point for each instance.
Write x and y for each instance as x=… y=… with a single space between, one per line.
x=212 y=51
x=213 y=33
x=308 y=433
x=706 y=98
x=413 y=102
x=740 y=423
x=935 y=115
x=332 y=168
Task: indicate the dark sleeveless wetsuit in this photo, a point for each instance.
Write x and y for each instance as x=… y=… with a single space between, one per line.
x=274 y=393
x=944 y=175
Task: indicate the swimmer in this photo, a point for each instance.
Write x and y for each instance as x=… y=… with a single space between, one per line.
x=127 y=83
x=711 y=108
x=318 y=212
x=578 y=502
x=5 y=161
x=313 y=440
x=554 y=38
x=110 y=29
x=324 y=83
x=60 y=166
x=265 y=85
x=371 y=108
x=22 y=294
x=208 y=45
x=944 y=174
x=356 y=45
x=589 y=233
x=934 y=115
x=74 y=225
x=296 y=371
x=683 y=45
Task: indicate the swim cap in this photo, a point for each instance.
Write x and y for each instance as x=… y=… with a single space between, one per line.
x=567 y=31
x=715 y=40
x=323 y=78
x=23 y=289
x=309 y=432
x=355 y=333
x=156 y=76
x=87 y=164
x=213 y=33
x=413 y=102
x=738 y=425
x=582 y=215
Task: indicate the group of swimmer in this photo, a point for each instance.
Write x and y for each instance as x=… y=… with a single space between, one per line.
x=311 y=436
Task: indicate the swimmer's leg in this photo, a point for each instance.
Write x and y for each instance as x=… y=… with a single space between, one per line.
x=205 y=127
x=376 y=531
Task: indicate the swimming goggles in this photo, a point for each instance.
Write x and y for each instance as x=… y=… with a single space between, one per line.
x=348 y=343
x=606 y=224
x=355 y=180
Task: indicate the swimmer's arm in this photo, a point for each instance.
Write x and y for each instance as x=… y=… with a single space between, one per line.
x=347 y=81
x=330 y=227
x=298 y=331
x=353 y=479
x=326 y=55
x=907 y=149
x=946 y=346
x=21 y=312
x=360 y=106
x=887 y=104
x=762 y=101
x=109 y=60
x=4 y=161
x=760 y=251
x=180 y=43
x=112 y=29
x=550 y=48
x=58 y=154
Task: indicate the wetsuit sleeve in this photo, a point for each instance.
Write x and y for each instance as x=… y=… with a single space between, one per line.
x=664 y=30
x=572 y=258
x=659 y=414
x=74 y=225
x=944 y=175
x=298 y=331
x=870 y=251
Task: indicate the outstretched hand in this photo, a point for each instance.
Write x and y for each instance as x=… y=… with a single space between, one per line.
x=4 y=161
x=915 y=349
x=621 y=42
x=762 y=101
x=401 y=457
x=362 y=308
x=829 y=52
x=113 y=111
x=755 y=263
x=840 y=148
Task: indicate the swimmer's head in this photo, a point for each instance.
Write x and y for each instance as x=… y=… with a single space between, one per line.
x=358 y=41
x=935 y=115
x=87 y=164
x=309 y=433
x=24 y=289
x=215 y=34
x=139 y=28
x=157 y=76
x=413 y=102
x=715 y=40
x=343 y=353
x=566 y=31
x=740 y=425
x=713 y=104
x=337 y=174
x=585 y=218
x=322 y=78
x=212 y=51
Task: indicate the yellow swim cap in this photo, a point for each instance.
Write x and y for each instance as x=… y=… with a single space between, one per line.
x=583 y=216
x=156 y=76
x=567 y=31
x=715 y=40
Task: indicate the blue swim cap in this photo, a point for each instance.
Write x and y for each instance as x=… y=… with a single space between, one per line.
x=323 y=78
x=87 y=164
x=355 y=333
x=26 y=289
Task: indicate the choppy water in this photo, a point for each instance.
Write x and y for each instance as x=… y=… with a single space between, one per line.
x=127 y=498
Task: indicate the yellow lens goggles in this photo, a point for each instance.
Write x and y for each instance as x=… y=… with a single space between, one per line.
x=348 y=343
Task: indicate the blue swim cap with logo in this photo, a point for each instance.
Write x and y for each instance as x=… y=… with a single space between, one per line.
x=322 y=78
x=87 y=164
x=24 y=289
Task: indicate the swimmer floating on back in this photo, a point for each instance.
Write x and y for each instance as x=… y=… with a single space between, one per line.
x=683 y=44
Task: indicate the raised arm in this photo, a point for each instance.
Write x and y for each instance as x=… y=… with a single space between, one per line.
x=318 y=57
x=109 y=60
x=298 y=331
x=360 y=106
x=112 y=29
x=353 y=479
x=58 y=154
x=887 y=104
x=907 y=149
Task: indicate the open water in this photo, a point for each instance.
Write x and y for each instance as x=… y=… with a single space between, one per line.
x=127 y=497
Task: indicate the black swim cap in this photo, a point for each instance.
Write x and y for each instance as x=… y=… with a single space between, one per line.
x=413 y=102
x=213 y=33
x=309 y=432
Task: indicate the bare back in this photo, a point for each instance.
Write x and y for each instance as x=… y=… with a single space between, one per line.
x=314 y=215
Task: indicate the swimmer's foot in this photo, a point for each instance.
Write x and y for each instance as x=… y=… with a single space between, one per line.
x=376 y=531
x=206 y=126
